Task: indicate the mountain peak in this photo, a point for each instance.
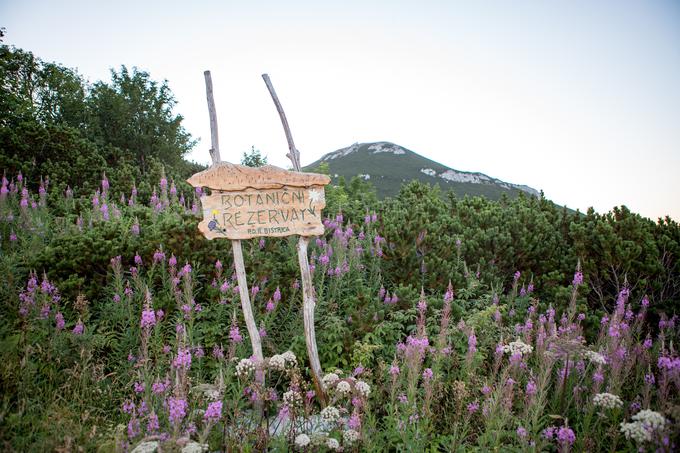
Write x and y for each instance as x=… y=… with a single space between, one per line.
x=388 y=166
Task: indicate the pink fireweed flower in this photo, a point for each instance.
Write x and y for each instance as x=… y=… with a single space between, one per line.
x=158 y=256
x=218 y=352
x=565 y=436
x=214 y=411
x=521 y=432
x=531 y=388
x=394 y=370
x=472 y=343
x=235 y=335
x=148 y=318
x=183 y=358
x=277 y=295
x=254 y=290
x=427 y=374
x=79 y=328
x=270 y=306
x=159 y=387
x=645 y=302
x=172 y=262
x=139 y=387
x=128 y=407
x=578 y=279
x=177 y=409
x=224 y=287
x=354 y=422
x=152 y=426
x=473 y=407
x=134 y=229
x=60 y=323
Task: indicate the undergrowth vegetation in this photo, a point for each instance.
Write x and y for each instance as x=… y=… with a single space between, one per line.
x=122 y=329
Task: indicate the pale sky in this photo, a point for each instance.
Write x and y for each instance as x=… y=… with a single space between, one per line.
x=579 y=99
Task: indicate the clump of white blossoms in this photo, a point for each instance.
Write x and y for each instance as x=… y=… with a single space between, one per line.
x=244 y=367
x=517 y=347
x=290 y=358
x=350 y=436
x=330 y=379
x=644 y=424
x=332 y=444
x=652 y=419
x=363 y=388
x=330 y=414
x=607 y=401
x=343 y=388
x=292 y=398
x=595 y=357
x=277 y=362
x=302 y=440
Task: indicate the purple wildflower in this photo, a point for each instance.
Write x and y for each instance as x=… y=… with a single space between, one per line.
x=214 y=411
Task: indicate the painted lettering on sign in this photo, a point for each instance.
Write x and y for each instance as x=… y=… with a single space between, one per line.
x=269 y=212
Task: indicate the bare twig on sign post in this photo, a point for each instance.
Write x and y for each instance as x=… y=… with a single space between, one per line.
x=307 y=287
x=253 y=333
x=215 y=142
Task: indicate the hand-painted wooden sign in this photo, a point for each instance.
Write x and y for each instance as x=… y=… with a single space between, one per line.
x=250 y=202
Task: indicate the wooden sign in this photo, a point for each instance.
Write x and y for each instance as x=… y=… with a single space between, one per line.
x=251 y=202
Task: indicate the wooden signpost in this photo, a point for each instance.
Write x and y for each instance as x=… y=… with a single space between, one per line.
x=250 y=202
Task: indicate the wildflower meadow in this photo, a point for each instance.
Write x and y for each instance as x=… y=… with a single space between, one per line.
x=146 y=349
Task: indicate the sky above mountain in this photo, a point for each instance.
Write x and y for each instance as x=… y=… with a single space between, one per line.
x=580 y=99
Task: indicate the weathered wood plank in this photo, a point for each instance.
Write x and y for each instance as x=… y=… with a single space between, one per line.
x=256 y=213
x=231 y=177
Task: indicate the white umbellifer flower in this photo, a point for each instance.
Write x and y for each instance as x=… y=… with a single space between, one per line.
x=244 y=367
x=650 y=419
x=302 y=440
x=363 y=388
x=343 y=387
x=290 y=358
x=277 y=362
x=607 y=401
x=330 y=379
x=332 y=444
x=517 y=346
x=595 y=357
x=645 y=423
x=292 y=398
x=350 y=436
x=636 y=431
x=330 y=414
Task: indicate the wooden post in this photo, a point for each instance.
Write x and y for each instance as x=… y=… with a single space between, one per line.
x=308 y=299
x=214 y=137
x=253 y=333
